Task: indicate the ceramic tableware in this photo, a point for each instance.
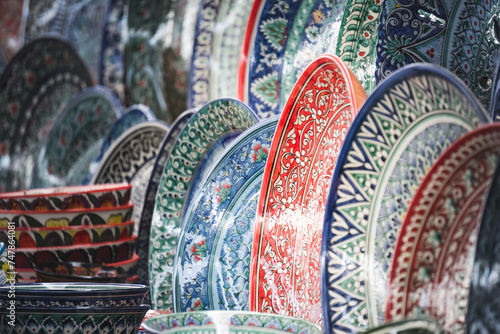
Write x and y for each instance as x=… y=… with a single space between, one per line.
x=285 y=254
x=28 y=237
x=198 y=146
x=227 y=322
x=434 y=254
x=314 y=31
x=63 y=198
x=79 y=272
x=104 y=252
x=215 y=243
x=399 y=132
x=128 y=265
x=43 y=18
x=495 y=94
x=70 y=217
x=75 y=138
x=462 y=36
x=411 y=326
x=131 y=159
x=150 y=194
x=11 y=33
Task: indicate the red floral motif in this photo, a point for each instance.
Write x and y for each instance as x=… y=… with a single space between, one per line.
x=13 y=108
x=199 y=250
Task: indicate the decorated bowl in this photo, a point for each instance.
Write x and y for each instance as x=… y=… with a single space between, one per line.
x=79 y=272
x=75 y=320
x=34 y=237
x=227 y=322
x=64 y=198
x=100 y=253
x=71 y=217
x=71 y=295
x=410 y=326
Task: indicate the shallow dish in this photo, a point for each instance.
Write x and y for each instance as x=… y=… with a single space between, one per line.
x=30 y=237
x=200 y=143
x=72 y=295
x=411 y=326
x=100 y=253
x=63 y=198
x=70 y=217
x=79 y=272
x=399 y=132
x=81 y=320
x=228 y=322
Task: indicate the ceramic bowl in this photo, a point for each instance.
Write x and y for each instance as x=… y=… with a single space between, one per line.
x=79 y=320
x=63 y=198
x=27 y=237
x=128 y=265
x=71 y=295
x=105 y=252
x=227 y=322
x=412 y=326
x=73 y=217
x=79 y=272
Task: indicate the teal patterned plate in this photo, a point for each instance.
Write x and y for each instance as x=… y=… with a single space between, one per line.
x=75 y=138
x=201 y=142
x=213 y=255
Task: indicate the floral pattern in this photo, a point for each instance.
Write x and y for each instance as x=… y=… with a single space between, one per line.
x=426 y=110
x=285 y=265
x=436 y=246
x=216 y=122
x=214 y=247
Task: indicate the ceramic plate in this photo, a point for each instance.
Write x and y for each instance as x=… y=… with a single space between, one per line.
x=495 y=94
x=219 y=35
x=412 y=326
x=75 y=138
x=212 y=269
x=200 y=143
x=482 y=310
x=315 y=31
x=150 y=195
x=23 y=74
x=43 y=17
x=285 y=255
x=131 y=160
x=41 y=108
x=460 y=35
x=434 y=254
x=265 y=41
x=111 y=69
x=11 y=33
x=358 y=37
x=401 y=130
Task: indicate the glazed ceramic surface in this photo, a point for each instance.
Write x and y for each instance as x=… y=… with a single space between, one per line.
x=99 y=216
x=457 y=34
x=75 y=138
x=214 y=250
x=150 y=194
x=285 y=255
x=79 y=272
x=482 y=310
x=79 y=197
x=315 y=31
x=11 y=35
x=227 y=322
x=434 y=255
x=413 y=326
x=104 y=252
x=200 y=143
x=495 y=94
x=265 y=42
x=400 y=131
x=44 y=17
x=131 y=159
x=76 y=321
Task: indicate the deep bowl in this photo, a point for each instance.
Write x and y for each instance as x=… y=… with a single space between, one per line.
x=79 y=272
x=228 y=322
x=63 y=198
x=74 y=320
x=105 y=252
x=54 y=295
x=34 y=237
x=71 y=217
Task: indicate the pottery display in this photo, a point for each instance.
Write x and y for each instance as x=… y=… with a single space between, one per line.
x=79 y=272
x=413 y=326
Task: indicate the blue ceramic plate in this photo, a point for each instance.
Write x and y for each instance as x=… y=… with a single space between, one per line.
x=143 y=237
x=216 y=240
x=204 y=138
x=399 y=132
x=460 y=35
x=75 y=138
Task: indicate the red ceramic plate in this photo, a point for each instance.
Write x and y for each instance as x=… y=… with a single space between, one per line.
x=285 y=257
x=434 y=254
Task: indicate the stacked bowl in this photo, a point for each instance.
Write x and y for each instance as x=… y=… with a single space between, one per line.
x=69 y=227
x=76 y=308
